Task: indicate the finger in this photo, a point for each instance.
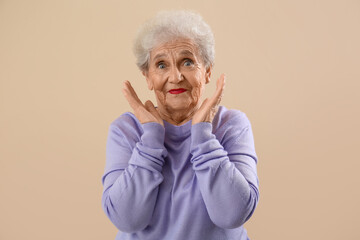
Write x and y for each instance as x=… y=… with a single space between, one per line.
x=220 y=85
x=132 y=92
x=151 y=108
x=131 y=95
x=203 y=105
x=221 y=92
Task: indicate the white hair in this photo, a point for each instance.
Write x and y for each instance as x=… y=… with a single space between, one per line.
x=170 y=25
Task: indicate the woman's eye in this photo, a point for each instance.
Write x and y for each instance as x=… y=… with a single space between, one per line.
x=188 y=63
x=161 y=65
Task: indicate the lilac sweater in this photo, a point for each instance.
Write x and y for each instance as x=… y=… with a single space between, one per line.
x=181 y=182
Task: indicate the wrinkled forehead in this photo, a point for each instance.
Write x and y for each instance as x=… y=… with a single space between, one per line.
x=175 y=48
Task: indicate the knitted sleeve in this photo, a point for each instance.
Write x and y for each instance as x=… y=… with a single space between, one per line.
x=225 y=167
x=134 y=158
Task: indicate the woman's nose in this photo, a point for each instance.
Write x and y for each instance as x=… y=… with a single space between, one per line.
x=175 y=75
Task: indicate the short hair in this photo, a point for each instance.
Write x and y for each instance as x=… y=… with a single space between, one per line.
x=170 y=25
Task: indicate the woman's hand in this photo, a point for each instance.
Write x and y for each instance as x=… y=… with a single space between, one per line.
x=210 y=106
x=144 y=112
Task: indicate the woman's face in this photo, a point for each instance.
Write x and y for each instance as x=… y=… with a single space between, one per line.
x=177 y=75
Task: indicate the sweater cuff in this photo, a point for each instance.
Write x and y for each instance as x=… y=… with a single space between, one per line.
x=200 y=133
x=150 y=151
x=154 y=135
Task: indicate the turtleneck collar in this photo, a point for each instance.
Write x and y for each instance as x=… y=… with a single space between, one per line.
x=174 y=130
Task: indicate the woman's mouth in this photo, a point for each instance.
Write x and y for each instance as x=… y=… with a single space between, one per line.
x=177 y=91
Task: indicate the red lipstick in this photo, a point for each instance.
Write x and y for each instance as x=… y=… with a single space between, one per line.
x=177 y=91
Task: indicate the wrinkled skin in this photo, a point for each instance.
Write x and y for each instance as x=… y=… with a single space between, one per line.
x=176 y=65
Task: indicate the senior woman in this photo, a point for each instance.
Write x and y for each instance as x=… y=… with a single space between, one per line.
x=185 y=169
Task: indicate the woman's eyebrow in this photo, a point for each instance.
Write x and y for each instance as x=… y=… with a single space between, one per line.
x=186 y=53
x=160 y=55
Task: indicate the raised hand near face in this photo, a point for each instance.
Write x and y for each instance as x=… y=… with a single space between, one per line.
x=209 y=107
x=144 y=112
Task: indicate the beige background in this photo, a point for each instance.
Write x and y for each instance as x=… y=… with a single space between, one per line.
x=292 y=66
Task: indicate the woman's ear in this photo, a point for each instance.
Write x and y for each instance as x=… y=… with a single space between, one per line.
x=208 y=74
x=148 y=80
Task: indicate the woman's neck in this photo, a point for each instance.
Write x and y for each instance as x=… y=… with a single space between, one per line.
x=177 y=117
